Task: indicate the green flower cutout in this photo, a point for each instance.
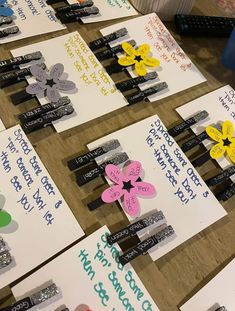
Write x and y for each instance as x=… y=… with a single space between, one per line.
x=5 y=218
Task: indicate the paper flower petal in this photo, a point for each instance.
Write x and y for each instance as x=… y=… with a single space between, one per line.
x=53 y=94
x=143 y=188
x=227 y=129
x=217 y=151
x=143 y=50
x=112 y=194
x=129 y=49
x=6 y=11
x=5 y=219
x=126 y=61
x=115 y=174
x=35 y=89
x=66 y=85
x=56 y=71
x=140 y=68
x=231 y=153
x=131 y=205
x=214 y=133
x=39 y=73
x=133 y=171
x=151 y=62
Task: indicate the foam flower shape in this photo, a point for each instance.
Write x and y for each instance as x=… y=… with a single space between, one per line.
x=4 y=9
x=49 y=83
x=138 y=57
x=128 y=187
x=5 y=218
x=225 y=141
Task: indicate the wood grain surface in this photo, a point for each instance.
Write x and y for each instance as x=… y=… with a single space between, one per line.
x=174 y=278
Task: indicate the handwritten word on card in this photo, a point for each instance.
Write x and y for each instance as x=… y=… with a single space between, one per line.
x=38 y=210
x=33 y=18
x=94 y=277
x=182 y=196
x=173 y=61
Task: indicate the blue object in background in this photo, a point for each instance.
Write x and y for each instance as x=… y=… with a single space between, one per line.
x=4 y=9
x=228 y=56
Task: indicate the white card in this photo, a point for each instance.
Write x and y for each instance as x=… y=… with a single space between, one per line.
x=176 y=69
x=2 y=126
x=33 y=18
x=220 y=104
x=39 y=212
x=217 y=293
x=96 y=93
x=193 y=207
x=109 y=9
x=86 y=273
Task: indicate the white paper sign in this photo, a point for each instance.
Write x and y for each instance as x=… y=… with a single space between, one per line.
x=109 y=9
x=39 y=212
x=96 y=93
x=185 y=200
x=33 y=17
x=220 y=104
x=2 y=127
x=89 y=274
x=218 y=292
x=176 y=69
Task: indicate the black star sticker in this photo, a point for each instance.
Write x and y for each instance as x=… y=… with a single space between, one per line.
x=50 y=82
x=138 y=58
x=127 y=185
x=227 y=142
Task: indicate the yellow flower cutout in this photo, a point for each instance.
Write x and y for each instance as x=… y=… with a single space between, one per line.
x=225 y=141
x=138 y=57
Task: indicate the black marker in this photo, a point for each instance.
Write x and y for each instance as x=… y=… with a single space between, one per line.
x=221 y=177
x=201 y=159
x=47 y=118
x=75 y=6
x=54 y=1
x=13 y=63
x=11 y=77
x=221 y=309
x=33 y=300
x=9 y=31
x=188 y=145
x=180 y=128
x=132 y=229
x=21 y=96
x=91 y=155
x=142 y=95
x=37 y=112
x=95 y=170
x=111 y=52
x=5 y=20
x=146 y=245
x=73 y=16
x=103 y=41
x=132 y=83
x=226 y=194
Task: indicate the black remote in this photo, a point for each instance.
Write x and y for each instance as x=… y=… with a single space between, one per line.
x=198 y=25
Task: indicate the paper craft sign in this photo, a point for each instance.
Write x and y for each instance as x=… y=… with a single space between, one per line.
x=94 y=278
x=2 y=127
x=217 y=293
x=96 y=93
x=173 y=61
x=220 y=104
x=109 y=9
x=33 y=18
x=39 y=212
x=182 y=196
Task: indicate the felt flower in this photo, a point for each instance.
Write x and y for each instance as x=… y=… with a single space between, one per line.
x=5 y=218
x=138 y=57
x=4 y=9
x=127 y=186
x=225 y=141
x=49 y=84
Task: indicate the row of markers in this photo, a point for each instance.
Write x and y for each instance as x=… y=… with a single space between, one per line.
x=46 y=114
x=92 y=170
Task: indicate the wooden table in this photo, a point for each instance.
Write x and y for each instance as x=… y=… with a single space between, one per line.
x=173 y=279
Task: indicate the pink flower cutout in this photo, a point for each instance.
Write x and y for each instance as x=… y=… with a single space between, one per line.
x=127 y=186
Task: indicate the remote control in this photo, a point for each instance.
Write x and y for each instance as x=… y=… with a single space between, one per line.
x=210 y=26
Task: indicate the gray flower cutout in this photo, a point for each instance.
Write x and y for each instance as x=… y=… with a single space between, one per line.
x=49 y=83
